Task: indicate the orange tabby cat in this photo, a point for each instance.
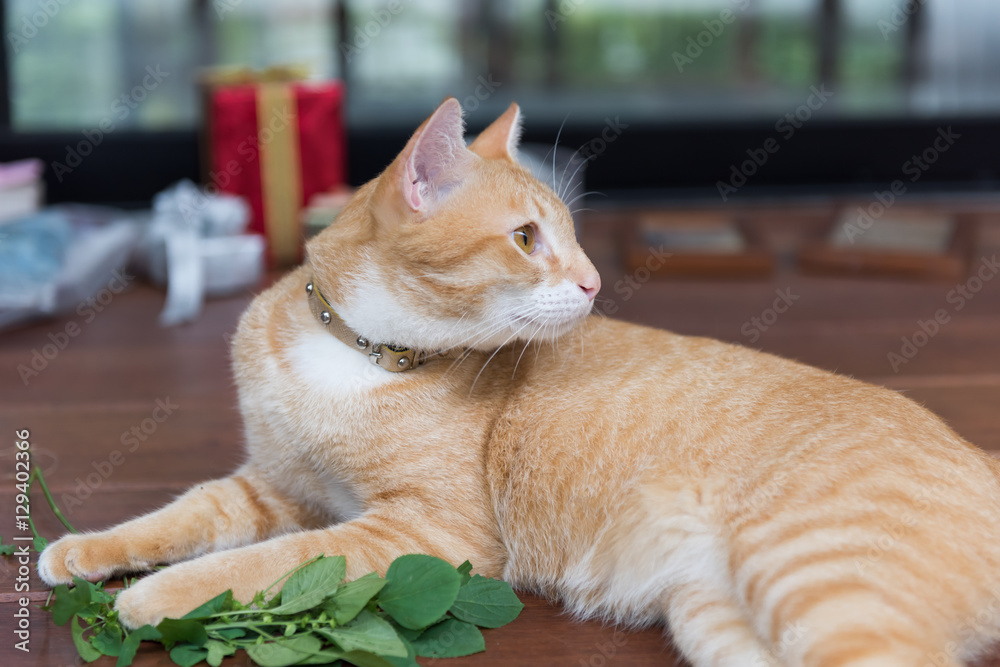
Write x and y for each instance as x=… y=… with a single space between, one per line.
x=770 y=513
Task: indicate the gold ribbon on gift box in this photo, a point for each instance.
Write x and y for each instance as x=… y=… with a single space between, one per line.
x=278 y=146
x=280 y=175
x=236 y=76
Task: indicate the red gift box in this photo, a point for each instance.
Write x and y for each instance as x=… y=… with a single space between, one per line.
x=277 y=143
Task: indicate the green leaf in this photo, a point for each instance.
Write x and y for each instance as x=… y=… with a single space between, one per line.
x=419 y=590
x=310 y=585
x=450 y=639
x=324 y=657
x=39 y=543
x=285 y=651
x=6 y=549
x=406 y=633
x=230 y=633
x=488 y=603
x=368 y=633
x=70 y=601
x=217 y=651
x=220 y=603
x=98 y=594
x=131 y=643
x=109 y=640
x=83 y=647
x=182 y=630
x=352 y=597
x=365 y=659
x=186 y=655
x=464 y=569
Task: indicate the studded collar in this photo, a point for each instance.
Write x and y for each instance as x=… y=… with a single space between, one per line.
x=392 y=358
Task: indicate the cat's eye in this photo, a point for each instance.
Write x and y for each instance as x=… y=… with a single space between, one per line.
x=524 y=238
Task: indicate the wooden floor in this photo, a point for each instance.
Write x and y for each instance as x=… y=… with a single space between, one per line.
x=111 y=376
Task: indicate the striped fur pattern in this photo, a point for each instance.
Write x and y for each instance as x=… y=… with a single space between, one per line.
x=769 y=513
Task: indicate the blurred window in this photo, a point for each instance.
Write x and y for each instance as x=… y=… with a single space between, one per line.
x=76 y=63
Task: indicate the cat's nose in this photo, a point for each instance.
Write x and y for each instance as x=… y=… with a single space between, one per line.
x=591 y=284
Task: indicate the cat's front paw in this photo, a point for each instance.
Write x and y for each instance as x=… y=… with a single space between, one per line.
x=169 y=593
x=90 y=557
x=152 y=599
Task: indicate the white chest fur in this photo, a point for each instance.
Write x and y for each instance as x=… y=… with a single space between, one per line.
x=333 y=371
x=316 y=405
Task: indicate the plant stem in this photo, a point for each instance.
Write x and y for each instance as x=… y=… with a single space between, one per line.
x=234 y=613
x=289 y=573
x=249 y=624
x=36 y=474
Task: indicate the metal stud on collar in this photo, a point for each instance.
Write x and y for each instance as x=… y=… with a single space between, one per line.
x=393 y=358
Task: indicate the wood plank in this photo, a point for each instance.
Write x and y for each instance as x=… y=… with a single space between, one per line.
x=196 y=437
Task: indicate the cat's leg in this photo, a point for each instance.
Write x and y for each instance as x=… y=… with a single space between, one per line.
x=370 y=543
x=220 y=514
x=711 y=630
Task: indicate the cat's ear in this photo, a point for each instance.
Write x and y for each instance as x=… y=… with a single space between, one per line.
x=500 y=139
x=434 y=161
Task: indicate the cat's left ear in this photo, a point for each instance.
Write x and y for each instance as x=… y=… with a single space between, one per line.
x=434 y=162
x=500 y=139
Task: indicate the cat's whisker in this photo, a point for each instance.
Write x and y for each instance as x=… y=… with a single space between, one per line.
x=526 y=344
x=571 y=190
x=569 y=184
x=575 y=172
x=584 y=194
x=569 y=163
x=542 y=337
x=492 y=331
x=523 y=350
x=545 y=159
x=467 y=352
x=454 y=326
x=493 y=328
x=555 y=151
x=460 y=359
x=495 y=352
x=484 y=365
x=493 y=324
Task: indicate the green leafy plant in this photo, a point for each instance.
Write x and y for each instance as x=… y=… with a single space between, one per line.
x=423 y=607
x=38 y=543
